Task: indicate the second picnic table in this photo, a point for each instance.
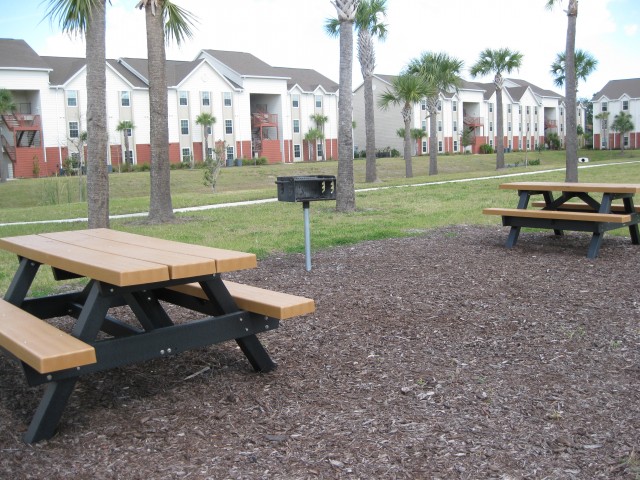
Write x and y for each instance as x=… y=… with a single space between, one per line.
x=595 y=212
x=140 y=272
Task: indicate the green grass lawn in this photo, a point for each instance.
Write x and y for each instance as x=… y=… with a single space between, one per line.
x=415 y=205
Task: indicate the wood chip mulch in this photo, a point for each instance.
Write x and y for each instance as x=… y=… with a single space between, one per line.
x=439 y=356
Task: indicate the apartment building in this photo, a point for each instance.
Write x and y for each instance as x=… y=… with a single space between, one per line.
x=615 y=97
x=530 y=113
x=260 y=110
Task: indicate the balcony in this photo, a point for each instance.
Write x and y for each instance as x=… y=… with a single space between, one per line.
x=263 y=119
x=473 y=121
x=21 y=121
x=550 y=123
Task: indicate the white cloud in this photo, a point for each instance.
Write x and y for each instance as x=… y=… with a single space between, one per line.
x=631 y=30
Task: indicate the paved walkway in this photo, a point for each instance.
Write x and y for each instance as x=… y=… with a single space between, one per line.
x=268 y=200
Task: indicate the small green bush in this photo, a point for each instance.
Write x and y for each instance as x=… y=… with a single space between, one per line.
x=485 y=148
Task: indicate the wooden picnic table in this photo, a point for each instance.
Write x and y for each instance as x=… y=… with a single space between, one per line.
x=594 y=211
x=140 y=272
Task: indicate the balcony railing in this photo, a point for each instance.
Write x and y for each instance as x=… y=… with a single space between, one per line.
x=259 y=119
x=473 y=121
x=22 y=121
x=550 y=124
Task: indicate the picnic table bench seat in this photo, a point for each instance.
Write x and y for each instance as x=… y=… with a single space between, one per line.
x=257 y=300
x=582 y=206
x=39 y=344
x=559 y=215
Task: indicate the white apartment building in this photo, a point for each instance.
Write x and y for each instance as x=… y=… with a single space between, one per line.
x=615 y=97
x=260 y=110
x=530 y=113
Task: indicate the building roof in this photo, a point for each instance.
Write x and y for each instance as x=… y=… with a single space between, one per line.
x=63 y=68
x=617 y=88
x=134 y=80
x=244 y=64
x=17 y=54
x=537 y=90
x=308 y=80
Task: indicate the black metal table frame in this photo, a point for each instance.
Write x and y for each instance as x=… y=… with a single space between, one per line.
x=158 y=336
x=557 y=225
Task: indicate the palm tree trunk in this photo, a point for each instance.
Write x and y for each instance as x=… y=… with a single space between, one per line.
x=571 y=135
x=432 y=104
x=160 y=207
x=345 y=195
x=97 y=175
x=499 y=129
x=406 y=116
x=367 y=63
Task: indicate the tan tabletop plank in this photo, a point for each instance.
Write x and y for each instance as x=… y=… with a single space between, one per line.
x=181 y=265
x=106 y=267
x=226 y=260
x=573 y=187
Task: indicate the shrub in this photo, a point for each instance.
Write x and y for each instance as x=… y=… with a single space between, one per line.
x=485 y=148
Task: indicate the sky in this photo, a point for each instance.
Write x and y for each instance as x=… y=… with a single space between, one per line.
x=290 y=33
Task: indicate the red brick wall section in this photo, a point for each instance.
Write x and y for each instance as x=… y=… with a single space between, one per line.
x=288 y=151
x=116 y=156
x=174 y=153
x=197 y=151
x=271 y=150
x=331 y=153
x=25 y=160
x=143 y=153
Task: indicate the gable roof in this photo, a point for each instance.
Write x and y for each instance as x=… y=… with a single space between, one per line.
x=536 y=90
x=17 y=54
x=307 y=79
x=63 y=69
x=615 y=89
x=244 y=64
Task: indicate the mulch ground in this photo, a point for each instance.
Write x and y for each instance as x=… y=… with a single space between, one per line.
x=439 y=356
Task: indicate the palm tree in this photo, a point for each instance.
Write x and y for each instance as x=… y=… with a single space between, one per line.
x=442 y=72
x=502 y=60
x=319 y=119
x=164 y=21
x=7 y=105
x=369 y=25
x=124 y=126
x=585 y=64
x=571 y=141
x=88 y=17
x=415 y=134
x=346 y=193
x=406 y=90
x=622 y=123
x=312 y=137
x=206 y=120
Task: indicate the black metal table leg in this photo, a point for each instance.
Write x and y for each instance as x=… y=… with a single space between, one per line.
x=594 y=246
x=44 y=422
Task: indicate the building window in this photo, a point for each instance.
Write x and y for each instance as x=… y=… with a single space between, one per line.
x=535 y=127
x=440 y=146
x=509 y=108
x=318 y=101
x=491 y=126
x=295 y=101
x=210 y=152
x=228 y=127
x=439 y=125
x=535 y=110
x=490 y=107
x=528 y=144
x=455 y=106
x=439 y=106
x=125 y=101
x=562 y=127
x=491 y=142
x=625 y=141
x=604 y=143
x=604 y=124
x=72 y=98
x=561 y=111
x=296 y=126
x=206 y=99
x=230 y=153
x=424 y=146
x=625 y=105
x=320 y=150
x=74 y=130
x=128 y=132
x=296 y=151
x=455 y=145
x=184 y=127
x=186 y=155
x=128 y=157
x=183 y=99
x=424 y=125
x=455 y=126
x=605 y=107
x=528 y=127
x=227 y=99
x=423 y=105
x=519 y=127
x=509 y=127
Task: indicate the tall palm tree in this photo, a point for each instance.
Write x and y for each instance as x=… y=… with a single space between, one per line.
x=571 y=141
x=88 y=17
x=622 y=123
x=346 y=193
x=124 y=126
x=206 y=120
x=320 y=119
x=312 y=137
x=585 y=64
x=604 y=118
x=442 y=72
x=406 y=90
x=165 y=20
x=7 y=105
x=502 y=60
